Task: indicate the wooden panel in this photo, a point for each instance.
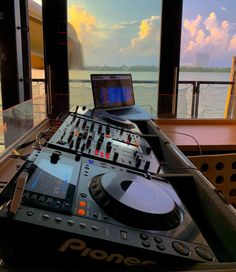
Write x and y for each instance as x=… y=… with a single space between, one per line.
x=220 y=171
x=197 y=135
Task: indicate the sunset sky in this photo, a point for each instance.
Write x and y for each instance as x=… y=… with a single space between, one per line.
x=118 y=32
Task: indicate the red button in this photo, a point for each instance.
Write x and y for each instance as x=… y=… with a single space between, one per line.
x=81 y=212
x=82 y=204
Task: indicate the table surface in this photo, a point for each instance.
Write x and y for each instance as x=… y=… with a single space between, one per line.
x=206 y=135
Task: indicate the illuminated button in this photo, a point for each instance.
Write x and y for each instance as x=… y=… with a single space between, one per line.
x=81 y=212
x=102 y=154
x=96 y=152
x=82 y=204
x=107 y=155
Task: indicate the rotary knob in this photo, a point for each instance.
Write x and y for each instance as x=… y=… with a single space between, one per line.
x=55 y=157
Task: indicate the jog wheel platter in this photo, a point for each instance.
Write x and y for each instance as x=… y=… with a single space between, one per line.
x=135 y=201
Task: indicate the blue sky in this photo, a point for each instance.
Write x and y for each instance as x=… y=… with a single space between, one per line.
x=127 y=32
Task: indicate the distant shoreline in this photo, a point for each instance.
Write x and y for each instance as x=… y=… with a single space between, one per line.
x=143 y=68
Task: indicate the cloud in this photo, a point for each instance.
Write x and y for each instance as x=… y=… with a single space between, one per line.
x=123 y=25
x=192 y=25
x=145 y=42
x=224 y=9
x=209 y=36
x=83 y=22
x=232 y=44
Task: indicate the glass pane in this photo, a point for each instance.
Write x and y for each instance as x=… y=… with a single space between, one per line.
x=15 y=122
x=207 y=47
x=1 y=121
x=212 y=99
x=114 y=37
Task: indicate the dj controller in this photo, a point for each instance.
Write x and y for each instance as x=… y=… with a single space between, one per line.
x=93 y=191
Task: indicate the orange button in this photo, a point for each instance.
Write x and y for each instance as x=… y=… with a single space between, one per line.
x=81 y=212
x=82 y=204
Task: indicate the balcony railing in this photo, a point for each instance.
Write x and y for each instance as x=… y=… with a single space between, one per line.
x=196 y=99
x=206 y=99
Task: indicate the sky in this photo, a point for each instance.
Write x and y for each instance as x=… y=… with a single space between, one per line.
x=209 y=27
x=127 y=32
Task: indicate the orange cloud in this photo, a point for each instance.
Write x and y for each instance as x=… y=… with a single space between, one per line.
x=209 y=35
x=83 y=22
x=145 y=43
x=192 y=25
x=232 y=44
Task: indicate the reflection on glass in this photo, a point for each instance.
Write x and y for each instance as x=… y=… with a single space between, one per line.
x=15 y=122
x=124 y=41
x=208 y=44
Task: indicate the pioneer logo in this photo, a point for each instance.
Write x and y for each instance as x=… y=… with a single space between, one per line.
x=97 y=254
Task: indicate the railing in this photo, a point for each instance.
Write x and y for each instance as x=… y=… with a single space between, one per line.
x=200 y=92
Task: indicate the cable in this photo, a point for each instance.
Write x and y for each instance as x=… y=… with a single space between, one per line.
x=185 y=134
x=24 y=145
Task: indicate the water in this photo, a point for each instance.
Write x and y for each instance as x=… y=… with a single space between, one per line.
x=210 y=76
x=146 y=94
x=211 y=100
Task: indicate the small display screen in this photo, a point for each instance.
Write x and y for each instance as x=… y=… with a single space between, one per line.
x=50 y=179
x=112 y=91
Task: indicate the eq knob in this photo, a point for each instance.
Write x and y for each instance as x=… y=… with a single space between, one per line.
x=148 y=150
x=89 y=141
x=146 y=165
x=70 y=137
x=138 y=163
x=91 y=127
x=108 y=148
x=115 y=156
x=84 y=124
x=77 y=123
x=99 y=129
x=99 y=144
x=55 y=157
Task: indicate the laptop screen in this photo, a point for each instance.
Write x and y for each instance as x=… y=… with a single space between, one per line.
x=112 y=91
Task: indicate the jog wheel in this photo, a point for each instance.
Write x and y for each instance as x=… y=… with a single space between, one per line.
x=135 y=201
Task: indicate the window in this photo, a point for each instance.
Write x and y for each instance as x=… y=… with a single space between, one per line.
x=114 y=37
x=23 y=110
x=207 y=47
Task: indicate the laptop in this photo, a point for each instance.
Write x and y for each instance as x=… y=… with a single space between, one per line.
x=114 y=94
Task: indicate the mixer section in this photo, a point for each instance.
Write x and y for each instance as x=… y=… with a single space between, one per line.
x=82 y=135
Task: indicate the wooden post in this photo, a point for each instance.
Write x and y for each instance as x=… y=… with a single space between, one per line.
x=230 y=104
